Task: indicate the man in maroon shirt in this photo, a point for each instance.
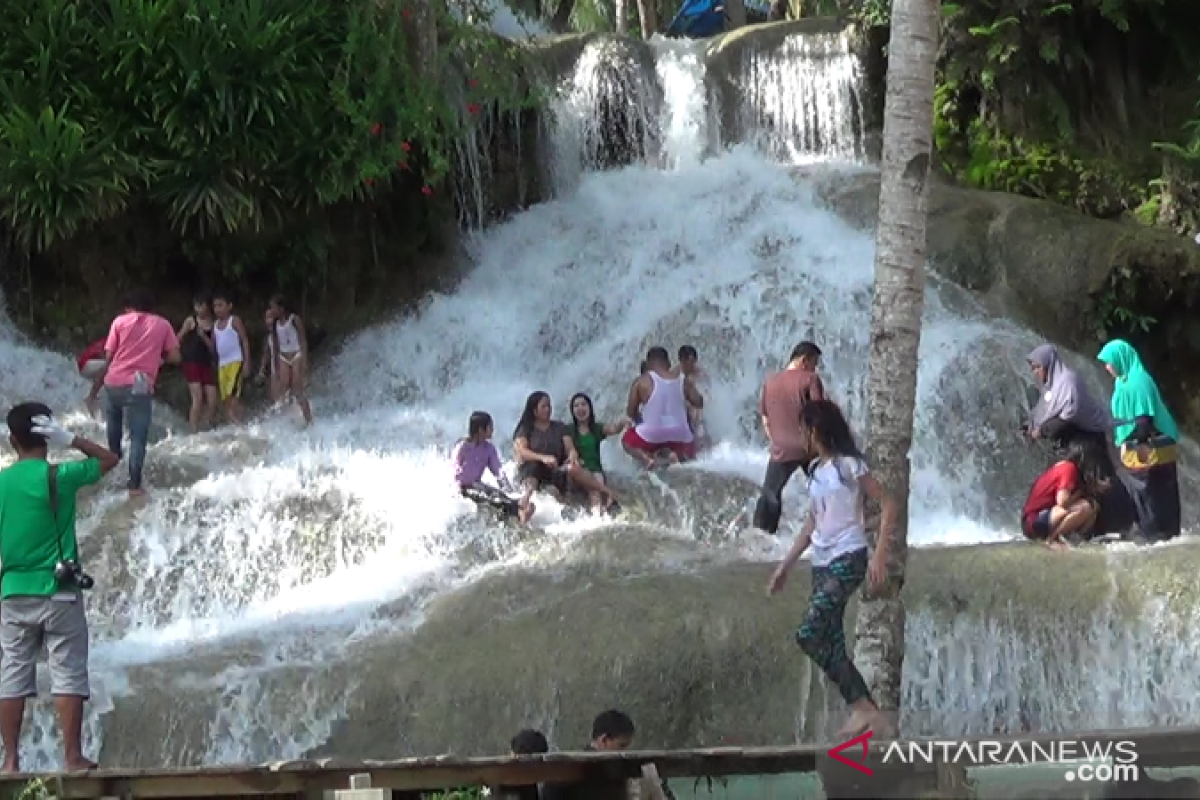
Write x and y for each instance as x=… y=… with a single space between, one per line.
x=784 y=395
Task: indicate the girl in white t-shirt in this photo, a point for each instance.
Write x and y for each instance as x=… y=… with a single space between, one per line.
x=837 y=483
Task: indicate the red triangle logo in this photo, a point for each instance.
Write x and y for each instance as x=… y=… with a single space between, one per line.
x=862 y=739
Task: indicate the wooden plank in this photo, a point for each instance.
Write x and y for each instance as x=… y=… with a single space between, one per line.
x=310 y=778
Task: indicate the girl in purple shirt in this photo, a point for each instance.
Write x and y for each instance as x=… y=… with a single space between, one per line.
x=476 y=455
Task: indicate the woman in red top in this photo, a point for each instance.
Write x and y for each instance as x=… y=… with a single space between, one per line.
x=1062 y=500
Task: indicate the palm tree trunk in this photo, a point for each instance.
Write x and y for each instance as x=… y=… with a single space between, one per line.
x=647 y=13
x=896 y=321
x=622 y=16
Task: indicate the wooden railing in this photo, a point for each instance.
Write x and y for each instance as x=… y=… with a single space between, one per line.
x=411 y=777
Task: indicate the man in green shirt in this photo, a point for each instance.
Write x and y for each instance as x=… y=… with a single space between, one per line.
x=40 y=580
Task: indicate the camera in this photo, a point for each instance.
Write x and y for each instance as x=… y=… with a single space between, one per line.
x=69 y=574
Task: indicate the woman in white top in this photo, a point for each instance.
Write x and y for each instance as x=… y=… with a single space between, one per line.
x=838 y=481
x=291 y=354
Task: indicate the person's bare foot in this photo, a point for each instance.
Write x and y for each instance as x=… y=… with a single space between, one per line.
x=883 y=724
x=860 y=719
x=80 y=764
x=134 y=493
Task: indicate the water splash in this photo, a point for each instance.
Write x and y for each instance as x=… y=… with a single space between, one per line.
x=264 y=552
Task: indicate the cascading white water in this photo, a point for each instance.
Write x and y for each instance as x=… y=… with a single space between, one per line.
x=263 y=553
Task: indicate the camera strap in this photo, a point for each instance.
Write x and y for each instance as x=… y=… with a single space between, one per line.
x=52 y=481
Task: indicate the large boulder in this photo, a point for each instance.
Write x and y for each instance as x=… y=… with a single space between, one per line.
x=1068 y=276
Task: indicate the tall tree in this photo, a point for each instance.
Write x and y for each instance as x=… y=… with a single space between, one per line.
x=896 y=310
x=648 y=15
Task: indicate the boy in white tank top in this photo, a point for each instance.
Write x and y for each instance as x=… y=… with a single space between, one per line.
x=660 y=399
x=233 y=355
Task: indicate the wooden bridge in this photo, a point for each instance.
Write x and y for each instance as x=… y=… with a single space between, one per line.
x=415 y=777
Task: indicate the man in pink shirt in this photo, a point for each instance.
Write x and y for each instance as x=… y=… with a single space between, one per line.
x=137 y=343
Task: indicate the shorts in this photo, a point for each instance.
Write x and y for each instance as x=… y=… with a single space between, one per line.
x=229 y=379
x=555 y=477
x=93 y=369
x=27 y=623
x=291 y=359
x=685 y=450
x=200 y=373
x=1037 y=526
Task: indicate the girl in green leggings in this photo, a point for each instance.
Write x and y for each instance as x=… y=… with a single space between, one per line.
x=838 y=480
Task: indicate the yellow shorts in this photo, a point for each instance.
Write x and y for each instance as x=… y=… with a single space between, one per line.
x=229 y=379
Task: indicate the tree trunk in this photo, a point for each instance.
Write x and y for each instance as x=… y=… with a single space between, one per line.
x=647 y=14
x=735 y=14
x=622 y=16
x=896 y=322
x=561 y=21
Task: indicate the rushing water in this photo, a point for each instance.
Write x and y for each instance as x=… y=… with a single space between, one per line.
x=263 y=554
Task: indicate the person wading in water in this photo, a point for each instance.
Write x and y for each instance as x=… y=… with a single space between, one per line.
x=838 y=481
x=784 y=397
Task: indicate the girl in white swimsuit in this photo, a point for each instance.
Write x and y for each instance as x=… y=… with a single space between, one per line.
x=291 y=352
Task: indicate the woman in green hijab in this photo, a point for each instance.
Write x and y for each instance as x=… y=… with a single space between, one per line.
x=1147 y=435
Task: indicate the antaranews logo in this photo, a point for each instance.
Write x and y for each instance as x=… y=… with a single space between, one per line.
x=1083 y=760
x=863 y=740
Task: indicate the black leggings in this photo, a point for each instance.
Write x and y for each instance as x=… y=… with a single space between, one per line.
x=490 y=497
x=822 y=635
x=770 y=502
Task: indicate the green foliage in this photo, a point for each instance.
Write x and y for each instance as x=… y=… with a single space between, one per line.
x=471 y=793
x=236 y=124
x=1116 y=307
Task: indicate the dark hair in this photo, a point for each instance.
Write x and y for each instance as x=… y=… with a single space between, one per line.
x=525 y=423
x=140 y=299
x=612 y=724
x=642 y=369
x=1088 y=460
x=529 y=742
x=658 y=355
x=591 y=420
x=223 y=294
x=281 y=301
x=20 y=425
x=480 y=421
x=204 y=298
x=805 y=350
x=826 y=423
x=688 y=353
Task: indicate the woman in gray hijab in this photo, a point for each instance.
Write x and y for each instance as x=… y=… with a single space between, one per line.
x=1067 y=413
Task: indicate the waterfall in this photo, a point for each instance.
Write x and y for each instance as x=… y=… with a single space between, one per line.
x=284 y=592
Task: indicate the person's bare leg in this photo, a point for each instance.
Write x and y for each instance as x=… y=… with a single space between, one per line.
x=70 y=719
x=524 y=505
x=299 y=381
x=587 y=481
x=644 y=459
x=12 y=714
x=1074 y=519
x=197 y=409
x=210 y=407
x=862 y=713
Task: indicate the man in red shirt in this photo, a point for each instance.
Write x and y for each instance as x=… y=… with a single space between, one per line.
x=1058 y=505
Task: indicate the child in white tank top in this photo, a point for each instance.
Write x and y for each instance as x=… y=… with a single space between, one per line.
x=233 y=355
x=291 y=354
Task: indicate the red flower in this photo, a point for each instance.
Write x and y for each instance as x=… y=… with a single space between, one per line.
x=369 y=181
x=471 y=84
x=405 y=146
x=376 y=129
x=472 y=108
x=406 y=13
x=402 y=165
x=425 y=190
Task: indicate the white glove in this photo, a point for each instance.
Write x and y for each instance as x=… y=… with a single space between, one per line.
x=55 y=434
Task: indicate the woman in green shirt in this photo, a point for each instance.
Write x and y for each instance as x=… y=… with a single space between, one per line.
x=588 y=434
